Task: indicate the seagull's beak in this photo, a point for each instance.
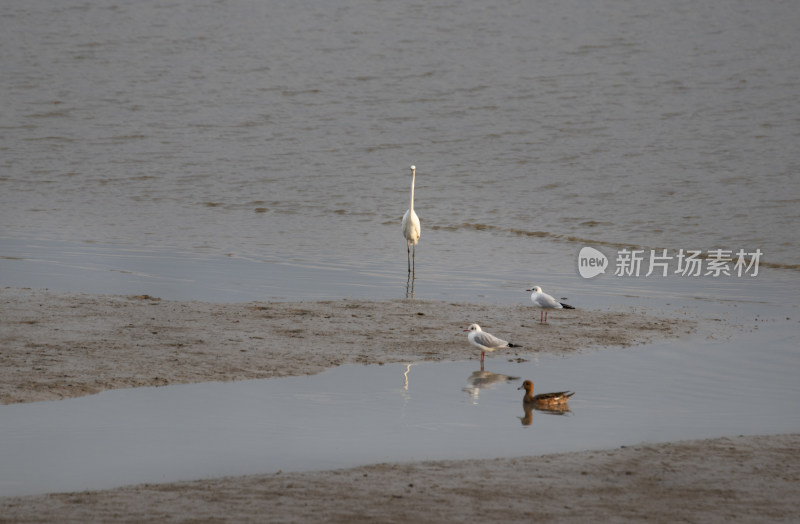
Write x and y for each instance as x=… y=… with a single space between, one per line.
x=529 y=290
x=519 y=388
x=466 y=330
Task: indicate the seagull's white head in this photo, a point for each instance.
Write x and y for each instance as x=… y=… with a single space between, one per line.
x=535 y=289
x=474 y=328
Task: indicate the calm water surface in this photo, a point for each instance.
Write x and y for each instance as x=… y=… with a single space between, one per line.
x=284 y=131
x=664 y=392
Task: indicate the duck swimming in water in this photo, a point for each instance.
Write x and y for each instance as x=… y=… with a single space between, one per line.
x=543 y=399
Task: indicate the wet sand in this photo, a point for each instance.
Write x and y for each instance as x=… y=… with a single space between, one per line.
x=743 y=479
x=66 y=345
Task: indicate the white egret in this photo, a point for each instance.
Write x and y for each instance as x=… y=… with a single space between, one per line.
x=411 y=229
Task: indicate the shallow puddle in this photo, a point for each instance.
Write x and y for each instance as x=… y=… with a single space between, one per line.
x=356 y=415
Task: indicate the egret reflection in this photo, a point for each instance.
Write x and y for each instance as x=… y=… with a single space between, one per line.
x=405 y=375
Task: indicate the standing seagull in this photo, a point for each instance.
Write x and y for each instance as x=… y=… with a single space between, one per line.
x=411 y=228
x=545 y=301
x=486 y=341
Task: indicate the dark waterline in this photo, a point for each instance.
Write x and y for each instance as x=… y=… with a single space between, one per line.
x=187 y=275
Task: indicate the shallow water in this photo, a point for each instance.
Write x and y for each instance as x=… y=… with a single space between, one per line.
x=356 y=415
x=180 y=275
x=284 y=132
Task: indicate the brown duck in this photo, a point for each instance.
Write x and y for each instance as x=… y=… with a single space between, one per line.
x=543 y=399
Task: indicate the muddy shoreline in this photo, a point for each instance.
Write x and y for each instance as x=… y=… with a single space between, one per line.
x=742 y=479
x=59 y=345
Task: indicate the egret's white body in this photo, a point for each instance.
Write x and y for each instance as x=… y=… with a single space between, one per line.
x=544 y=301
x=411 y=229
x=486 y=341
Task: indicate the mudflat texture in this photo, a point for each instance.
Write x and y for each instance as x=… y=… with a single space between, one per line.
x=67 y=345
x=745 y=479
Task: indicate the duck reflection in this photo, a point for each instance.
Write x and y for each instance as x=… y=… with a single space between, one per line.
x=562 y=409
x=486 y=380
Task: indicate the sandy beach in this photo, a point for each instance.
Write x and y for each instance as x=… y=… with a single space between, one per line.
x=66 y=345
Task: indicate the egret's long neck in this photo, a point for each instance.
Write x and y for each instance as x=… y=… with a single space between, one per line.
x=413 y=176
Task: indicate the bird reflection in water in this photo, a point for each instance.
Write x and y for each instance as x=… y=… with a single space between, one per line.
x=405 y=393
x=485 y=380
x=558 y=409
x=405 y=375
